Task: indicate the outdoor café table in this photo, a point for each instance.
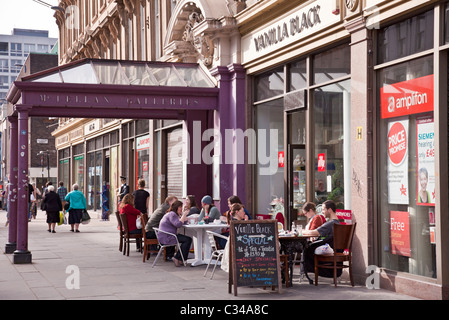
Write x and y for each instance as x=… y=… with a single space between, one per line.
x=291 y=245
x=201 y=244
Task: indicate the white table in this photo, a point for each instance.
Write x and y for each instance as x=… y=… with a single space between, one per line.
x=201 y=244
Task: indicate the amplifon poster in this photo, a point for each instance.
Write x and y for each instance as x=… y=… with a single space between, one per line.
x=397 y=169
x=400 y=233
x=425 y=147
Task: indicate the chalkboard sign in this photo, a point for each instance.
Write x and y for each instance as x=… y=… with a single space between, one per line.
x=254 y=254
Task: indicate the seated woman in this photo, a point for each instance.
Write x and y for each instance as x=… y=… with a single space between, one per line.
x=209 y=212
x=126 y=207
x=191 y=206
x=315 y=220
x=171 y=221
x=236 y=212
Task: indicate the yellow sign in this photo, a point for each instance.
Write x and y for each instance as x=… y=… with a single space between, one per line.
x=359 y=133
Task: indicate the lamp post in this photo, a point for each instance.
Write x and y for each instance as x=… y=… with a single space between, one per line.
x=46 y=153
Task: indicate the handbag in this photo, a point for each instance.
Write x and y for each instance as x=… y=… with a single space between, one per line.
x=138 y=223
x=67 y=205
x=85 y=219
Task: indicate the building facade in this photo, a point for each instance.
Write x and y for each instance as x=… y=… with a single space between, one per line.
x=341 y=100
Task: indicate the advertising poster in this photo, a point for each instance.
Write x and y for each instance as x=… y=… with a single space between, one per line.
x=345 y=216
x=398 y=190
x=400 y=233
x=425 y=147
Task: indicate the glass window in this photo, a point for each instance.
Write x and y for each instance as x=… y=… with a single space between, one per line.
x=405 y=38
x=28 y=47
x=270 y=136
x=4 y=82
x=4 y=65
x=298 y=75
x=331 y=110
x=16 y=65
x=269 y=84
x=332 y=64
x=16 y=49
x=143 y=159
x=4 y=48
x=407 y=170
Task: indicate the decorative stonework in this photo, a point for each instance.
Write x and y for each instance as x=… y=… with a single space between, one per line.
x=351 y=5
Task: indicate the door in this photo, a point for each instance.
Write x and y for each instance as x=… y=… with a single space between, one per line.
x=297 y=179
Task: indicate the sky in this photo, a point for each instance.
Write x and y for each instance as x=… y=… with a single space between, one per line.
x=27 y=14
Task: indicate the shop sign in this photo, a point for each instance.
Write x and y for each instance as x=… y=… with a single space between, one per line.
x=425 y=147
x=397 y=142
x=289 y=28
x=400 y=233
x=345 y=216
x=407 y=97
x=143 y=142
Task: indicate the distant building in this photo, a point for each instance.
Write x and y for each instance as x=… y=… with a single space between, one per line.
x=14 y=49
x=22 y=53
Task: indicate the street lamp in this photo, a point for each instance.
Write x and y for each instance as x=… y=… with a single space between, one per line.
x=47 y=153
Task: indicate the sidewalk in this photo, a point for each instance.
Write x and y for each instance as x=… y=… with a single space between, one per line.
x=106 y=274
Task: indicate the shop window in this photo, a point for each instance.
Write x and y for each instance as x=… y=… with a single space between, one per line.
x=269 y=84
x=270 y=175
x=407 y=169
x=405 y=38
x=331 y=109
x=332 y=64
x=298 y=75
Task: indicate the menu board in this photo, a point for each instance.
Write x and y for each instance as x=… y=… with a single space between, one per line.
x=254 y=254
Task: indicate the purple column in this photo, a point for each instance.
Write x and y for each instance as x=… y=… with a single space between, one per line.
x=232 y=120
x=22 y=255
x=11 y=246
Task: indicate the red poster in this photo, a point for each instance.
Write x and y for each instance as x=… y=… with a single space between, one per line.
x=321 y=162
x=281 y=159
x=345 y=215
x=400 y=233
x=408 y=97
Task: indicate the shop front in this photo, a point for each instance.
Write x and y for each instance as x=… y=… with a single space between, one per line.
x=356 y=104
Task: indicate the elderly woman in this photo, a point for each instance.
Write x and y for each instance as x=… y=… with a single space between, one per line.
x=171 y=221
x=76 y=208
x=52 y=205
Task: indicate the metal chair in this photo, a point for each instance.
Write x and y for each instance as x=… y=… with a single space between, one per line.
x=120 y=227
x=216 y=253
x=343 y=236
x=163 y=246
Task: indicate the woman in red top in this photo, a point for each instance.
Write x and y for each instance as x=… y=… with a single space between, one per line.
x=315 y=220
x=126 y=207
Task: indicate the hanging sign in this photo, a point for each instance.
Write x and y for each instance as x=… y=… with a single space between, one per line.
x=400 y=233
x=397 y=142
x=407 y=97
x=321 y=162
x=425 y=148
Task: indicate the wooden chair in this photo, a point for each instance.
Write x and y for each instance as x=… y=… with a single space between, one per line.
x=120 y=226
x=285 y=268
x=343 y=236
x=147 y=243
x=127 y=237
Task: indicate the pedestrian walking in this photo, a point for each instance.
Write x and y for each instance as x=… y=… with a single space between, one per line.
x=53 y=206
x=77 y=205
x=62 y=192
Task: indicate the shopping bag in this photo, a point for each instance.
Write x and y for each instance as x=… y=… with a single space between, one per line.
x=324 y=249
x=61 y=218
x=85 y=219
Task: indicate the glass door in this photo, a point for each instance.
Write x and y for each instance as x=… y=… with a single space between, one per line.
x=297 y=179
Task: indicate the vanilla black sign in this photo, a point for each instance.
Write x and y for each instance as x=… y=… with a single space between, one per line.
x=254 y=254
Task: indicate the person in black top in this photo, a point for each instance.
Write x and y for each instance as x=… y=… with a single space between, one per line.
x=141 y=197
x=53 y=205
x=124 y=189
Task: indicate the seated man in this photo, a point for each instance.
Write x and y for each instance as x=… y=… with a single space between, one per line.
x=325 y=233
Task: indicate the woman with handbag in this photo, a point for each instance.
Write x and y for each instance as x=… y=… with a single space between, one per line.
x=127 y=208
x=76 y=208
x=53 y=206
